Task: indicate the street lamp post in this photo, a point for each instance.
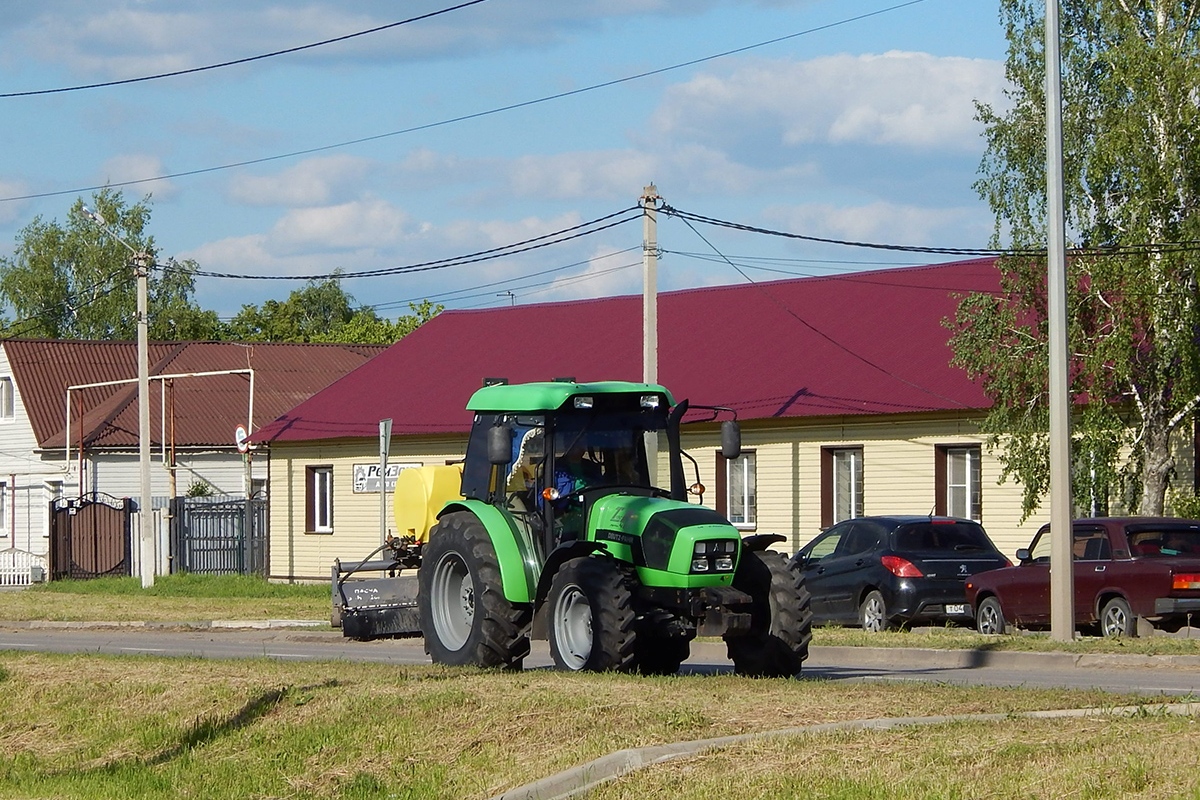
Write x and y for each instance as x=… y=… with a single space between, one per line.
x=147 y=555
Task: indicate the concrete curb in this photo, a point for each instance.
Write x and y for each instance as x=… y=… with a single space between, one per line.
x=580 y=780
x=201 y=624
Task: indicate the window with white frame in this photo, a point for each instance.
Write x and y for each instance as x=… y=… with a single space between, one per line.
x=7 y=399
x=319 y=506
x=963 y=497
x=741 y=500
x=847 y=483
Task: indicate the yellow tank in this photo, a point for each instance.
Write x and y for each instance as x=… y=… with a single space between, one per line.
x=420 y=494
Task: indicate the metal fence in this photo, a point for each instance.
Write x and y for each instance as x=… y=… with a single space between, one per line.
x=219 y=535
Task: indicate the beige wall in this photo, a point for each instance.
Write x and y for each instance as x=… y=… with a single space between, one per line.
x=898 y=468
x=296 y=554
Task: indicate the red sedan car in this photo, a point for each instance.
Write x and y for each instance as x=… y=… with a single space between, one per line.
x=1125 y=568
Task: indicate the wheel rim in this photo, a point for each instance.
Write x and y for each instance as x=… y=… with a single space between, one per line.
x=989 y=619
x=1116 y=623
x=873 y=614
x=452 y=601
x=573 y=628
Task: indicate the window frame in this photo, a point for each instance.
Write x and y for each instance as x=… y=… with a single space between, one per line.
x=8 y=399
x=318 y=486
x=974 y=477
x=830 y=484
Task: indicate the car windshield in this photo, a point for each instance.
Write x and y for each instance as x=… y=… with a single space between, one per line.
x=942 y=536
x=1164 y=541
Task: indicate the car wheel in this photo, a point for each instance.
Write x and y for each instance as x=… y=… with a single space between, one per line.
x=872 y=614
x=989 y=619
x=1116 y=618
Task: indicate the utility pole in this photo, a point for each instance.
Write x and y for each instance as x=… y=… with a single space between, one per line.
x=149 y=555
x=142 y=261
x=649 y=203
x=1062 y=577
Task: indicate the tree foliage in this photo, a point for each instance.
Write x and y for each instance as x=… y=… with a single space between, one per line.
x=1131 y=144
x=322 y=311
x=76 y=280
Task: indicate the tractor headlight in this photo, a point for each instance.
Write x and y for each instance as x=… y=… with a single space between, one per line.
x=714 y=555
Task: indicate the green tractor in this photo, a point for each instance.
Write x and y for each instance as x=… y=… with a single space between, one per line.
x=559 y=532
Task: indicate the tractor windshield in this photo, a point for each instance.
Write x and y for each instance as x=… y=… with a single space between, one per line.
x=604 y=448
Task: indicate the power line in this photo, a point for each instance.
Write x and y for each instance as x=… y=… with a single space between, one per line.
x=1185 y=246
x=464 y=117
x=631 y=214
x=247 y=60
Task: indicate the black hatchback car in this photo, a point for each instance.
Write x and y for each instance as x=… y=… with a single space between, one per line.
x=883 y=571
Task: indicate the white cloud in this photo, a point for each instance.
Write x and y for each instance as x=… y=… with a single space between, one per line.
x=897 y=98
x=370 y=223
x=138 y=167
x=12 y=210
x=884 y=222
x=313 y=182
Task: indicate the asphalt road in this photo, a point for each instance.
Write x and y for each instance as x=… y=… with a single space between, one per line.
x=1154 y=676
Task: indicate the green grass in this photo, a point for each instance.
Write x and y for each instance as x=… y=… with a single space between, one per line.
x=187 y=585
x=94 y=726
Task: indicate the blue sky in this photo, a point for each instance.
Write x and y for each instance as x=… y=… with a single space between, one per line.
x=854 y=130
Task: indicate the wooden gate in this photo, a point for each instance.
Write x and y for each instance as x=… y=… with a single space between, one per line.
x=89 y=536
x=219 y=536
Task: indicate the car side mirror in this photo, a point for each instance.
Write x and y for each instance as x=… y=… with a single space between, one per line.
x=731 y=439
x=1023 y=555
x=499 y=444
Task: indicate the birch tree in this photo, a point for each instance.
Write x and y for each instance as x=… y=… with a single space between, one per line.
x=1131 y=122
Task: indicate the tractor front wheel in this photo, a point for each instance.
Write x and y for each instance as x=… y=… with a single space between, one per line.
x=781 y=617
x=591 y=617
x=464 y=615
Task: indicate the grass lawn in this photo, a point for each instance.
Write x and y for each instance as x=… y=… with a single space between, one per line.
x=94 y=726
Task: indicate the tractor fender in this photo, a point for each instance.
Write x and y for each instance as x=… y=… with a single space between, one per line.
x=761 y=541
x=568 y=551
x=514 y=550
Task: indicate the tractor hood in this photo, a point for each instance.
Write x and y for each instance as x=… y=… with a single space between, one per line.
x=659 y=531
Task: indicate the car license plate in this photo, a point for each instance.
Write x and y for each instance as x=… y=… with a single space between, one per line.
x=956 y=608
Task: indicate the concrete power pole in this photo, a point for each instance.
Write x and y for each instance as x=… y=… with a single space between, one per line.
x=148 y=558
x=649 y=203
x=1062 y=578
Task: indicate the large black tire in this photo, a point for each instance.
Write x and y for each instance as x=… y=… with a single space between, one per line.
x=464 y=615
x=781 y=617
x=591 y=617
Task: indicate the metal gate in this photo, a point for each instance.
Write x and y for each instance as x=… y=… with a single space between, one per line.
x=219 y=536
x=89 y=536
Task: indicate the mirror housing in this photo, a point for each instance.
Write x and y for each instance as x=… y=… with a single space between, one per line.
x=731 y=439
x=1023 y=554
x=499 y=444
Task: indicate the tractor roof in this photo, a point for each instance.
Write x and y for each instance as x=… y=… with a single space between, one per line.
x=552 y=395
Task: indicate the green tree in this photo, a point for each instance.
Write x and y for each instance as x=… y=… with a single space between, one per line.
x=1131 y=142
x=76 y=280
x=322 y=311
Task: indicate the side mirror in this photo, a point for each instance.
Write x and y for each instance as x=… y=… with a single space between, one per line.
x=1023 y=555
x=731 y=439
x=500 y=442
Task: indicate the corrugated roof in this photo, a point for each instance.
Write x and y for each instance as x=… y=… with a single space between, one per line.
x=202 y=411
x=862 y=343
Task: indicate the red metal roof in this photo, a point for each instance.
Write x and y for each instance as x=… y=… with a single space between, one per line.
x=201 y=411
x=863 y=343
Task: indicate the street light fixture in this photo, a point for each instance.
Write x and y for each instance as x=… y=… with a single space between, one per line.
x=147 y=556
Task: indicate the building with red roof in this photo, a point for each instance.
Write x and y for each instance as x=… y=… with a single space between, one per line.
x=218 y=386
x=843 y=386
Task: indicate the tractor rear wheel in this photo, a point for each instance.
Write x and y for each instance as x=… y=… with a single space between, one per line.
x=591 y=618
x=781 y=617
x=464 y=615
